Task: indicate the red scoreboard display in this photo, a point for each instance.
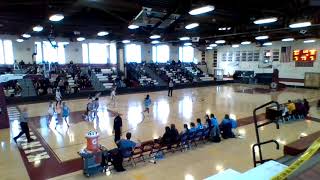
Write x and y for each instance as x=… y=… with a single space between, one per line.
x=306 y=55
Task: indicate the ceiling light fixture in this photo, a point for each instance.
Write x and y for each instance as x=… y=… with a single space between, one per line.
x=213 y=45
x=235 y=45
x=19 y=40
x=155 y=36
x=155 y=42
x=300 y=25
x=201 y=10
x=224 y=28
x=37 y=28
x=192 y=25
x=309 y=41
x=184 y=38
x=287 y=39
x=187 y=44
x=209 y=48
x=125 y=41
x=265 y=20
x=220 y=41
x=81 y=39
x=103 y=33
x=245 y=42
x=56 y=17
x=261 y=37
x=267 y=44
x=132 y=26
x=26 y=35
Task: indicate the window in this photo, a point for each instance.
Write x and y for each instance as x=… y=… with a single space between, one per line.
x=95 y=53
x=160 y=53
x=133 y=53
x=6 y=52
x=186 y=54
x=38 y=51
x=47 y=52
x=113 y=53
x=85 y=53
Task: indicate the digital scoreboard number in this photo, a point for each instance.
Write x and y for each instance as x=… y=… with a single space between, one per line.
x=305 y=55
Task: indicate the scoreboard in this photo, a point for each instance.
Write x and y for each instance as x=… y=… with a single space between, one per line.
x=306 y=55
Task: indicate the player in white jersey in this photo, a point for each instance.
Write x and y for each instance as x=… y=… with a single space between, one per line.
x=51 y=111
x=113 y=95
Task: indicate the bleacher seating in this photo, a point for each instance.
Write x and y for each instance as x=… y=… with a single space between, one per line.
x=140 y=75
x=107 y=76
x=197 y=73
x=174 y=72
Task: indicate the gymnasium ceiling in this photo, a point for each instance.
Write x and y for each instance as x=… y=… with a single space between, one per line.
x=167 y=18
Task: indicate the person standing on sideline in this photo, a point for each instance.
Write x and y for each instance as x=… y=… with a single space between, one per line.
x=170 y=88
x=147 y=103
x=24 y=126
x=58 y=97
x=117 y=128
x=51 y=111
x=65 y=113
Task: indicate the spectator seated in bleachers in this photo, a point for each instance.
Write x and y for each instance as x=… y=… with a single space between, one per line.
x=171 y=71
x=69 y=81
x=12 y=88
x=139 y=74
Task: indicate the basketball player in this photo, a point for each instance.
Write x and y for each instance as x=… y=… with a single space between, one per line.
x=147 y=103
x=95 y=103
x=51 y=111
x=113 y=94
x=65 y=114
x=58 y=97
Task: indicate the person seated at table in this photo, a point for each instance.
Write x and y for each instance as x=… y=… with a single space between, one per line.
x=192 y=127
x=291 y=107
x=199 y=124
x=299 y=109
x=226 y=127
x=185 y=129
x=285 y=112
x=174 y=133
x=126 y=146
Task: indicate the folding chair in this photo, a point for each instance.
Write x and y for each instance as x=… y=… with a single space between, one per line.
x=191 y=138
x=127 y=154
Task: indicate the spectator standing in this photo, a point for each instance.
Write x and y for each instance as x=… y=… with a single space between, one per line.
x=117 y=127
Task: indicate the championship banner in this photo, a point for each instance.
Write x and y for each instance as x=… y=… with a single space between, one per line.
x=299 y=162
